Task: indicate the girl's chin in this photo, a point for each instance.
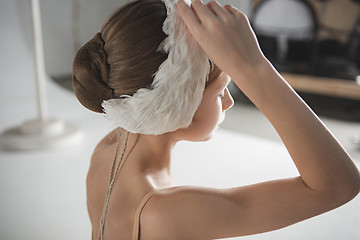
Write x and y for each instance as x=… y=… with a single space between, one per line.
x=204 y=138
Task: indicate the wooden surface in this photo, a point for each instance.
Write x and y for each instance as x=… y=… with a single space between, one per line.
x=323 y=85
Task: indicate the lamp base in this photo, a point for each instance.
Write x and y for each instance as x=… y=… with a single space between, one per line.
x=37 y=134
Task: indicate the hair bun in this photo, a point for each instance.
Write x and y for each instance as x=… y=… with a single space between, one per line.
x=90 y=74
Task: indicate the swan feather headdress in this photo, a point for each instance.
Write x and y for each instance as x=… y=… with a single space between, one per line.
x=177 y=88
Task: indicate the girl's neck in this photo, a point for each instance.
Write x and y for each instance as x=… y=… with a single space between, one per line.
x=154 y=152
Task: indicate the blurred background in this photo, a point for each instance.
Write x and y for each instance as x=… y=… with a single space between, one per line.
x=314 y=44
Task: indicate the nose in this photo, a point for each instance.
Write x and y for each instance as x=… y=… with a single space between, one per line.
x=228 y=101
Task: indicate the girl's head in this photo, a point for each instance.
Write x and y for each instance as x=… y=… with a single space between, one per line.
x=124 y=56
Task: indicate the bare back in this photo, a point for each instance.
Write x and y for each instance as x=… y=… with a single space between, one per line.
x=169 y=214
x=129 y=188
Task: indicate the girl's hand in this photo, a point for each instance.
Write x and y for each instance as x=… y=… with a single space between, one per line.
x=225 y=34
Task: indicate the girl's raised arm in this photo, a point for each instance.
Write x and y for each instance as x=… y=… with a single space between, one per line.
x=328 y=177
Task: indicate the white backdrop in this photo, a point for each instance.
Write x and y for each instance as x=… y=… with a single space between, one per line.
x=60 y=17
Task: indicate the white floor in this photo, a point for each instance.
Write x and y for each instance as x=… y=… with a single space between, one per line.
x=42 y=193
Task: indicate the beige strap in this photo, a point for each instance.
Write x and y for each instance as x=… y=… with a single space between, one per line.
x=136 y=228
x=110 y=184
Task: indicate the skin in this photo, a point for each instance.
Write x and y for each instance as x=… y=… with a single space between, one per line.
x=148 y=161
x=328 y=177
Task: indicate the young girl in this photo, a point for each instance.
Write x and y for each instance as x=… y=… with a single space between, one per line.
x=142 y=198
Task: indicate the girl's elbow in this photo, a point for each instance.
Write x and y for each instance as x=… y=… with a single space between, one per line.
x=355 y=187
x=350 y=189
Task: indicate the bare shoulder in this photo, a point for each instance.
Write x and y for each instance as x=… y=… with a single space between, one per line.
x=188 y=212
x=98 y=174
x=102 y=159
x=109 y=139
x=191 y=212
x=101 y=152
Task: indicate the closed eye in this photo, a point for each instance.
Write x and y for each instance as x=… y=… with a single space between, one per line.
x=222 y=95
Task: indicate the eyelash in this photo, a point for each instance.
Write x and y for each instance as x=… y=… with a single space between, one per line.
x=222 y=95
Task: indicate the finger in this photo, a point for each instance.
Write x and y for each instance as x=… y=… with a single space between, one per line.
x=187 y=15
x=218 y=10
x=233 y=10
x=202 y=11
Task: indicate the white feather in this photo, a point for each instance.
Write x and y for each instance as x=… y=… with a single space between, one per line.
x=177 y=88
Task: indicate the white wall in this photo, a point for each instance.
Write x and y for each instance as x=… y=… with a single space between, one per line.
x=58 y=20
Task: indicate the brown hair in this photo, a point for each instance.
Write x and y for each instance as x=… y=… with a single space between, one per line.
x=124 y=56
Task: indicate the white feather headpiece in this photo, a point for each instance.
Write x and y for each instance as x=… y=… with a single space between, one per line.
x=177 y=88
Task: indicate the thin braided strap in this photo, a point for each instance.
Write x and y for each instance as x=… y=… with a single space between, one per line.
x=110 y=184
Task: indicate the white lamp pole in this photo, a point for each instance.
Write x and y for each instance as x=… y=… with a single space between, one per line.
x=43 y=132
x=39 y=60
